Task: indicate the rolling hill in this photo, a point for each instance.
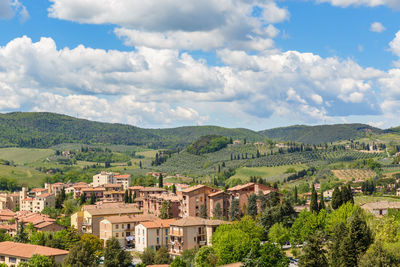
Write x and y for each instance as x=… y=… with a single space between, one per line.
x=43 y=130
x=321 y=133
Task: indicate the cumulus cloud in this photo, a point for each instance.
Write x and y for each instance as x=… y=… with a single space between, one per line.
x=180 y=24
x=369 y=3
x=9 y=8
x=163 y=87
x=377 y=27
x=395 y=47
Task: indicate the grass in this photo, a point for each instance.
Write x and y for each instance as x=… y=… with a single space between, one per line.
x=270 y=173
x=24 y=175
x=360 y=200
x=22 y=156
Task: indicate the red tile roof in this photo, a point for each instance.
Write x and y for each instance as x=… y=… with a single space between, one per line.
x=26 y=251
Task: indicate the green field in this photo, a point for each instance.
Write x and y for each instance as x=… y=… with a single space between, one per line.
x=23 y=175
x=24 y=155
x=271 y=174
x=360 y=200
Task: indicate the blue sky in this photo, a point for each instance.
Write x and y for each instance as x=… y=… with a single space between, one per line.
x=256 y=64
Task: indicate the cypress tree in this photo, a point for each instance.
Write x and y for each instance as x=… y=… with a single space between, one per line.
x=252 y=208
x=217 y=211
x=350 y=192
x=140 y=164
x=92 y=199
x=314 y=200
x=321 y=205
x=174 y=189
x=130 y=196
x=160 y=181
x=313 y=252
x=126 y=196
x=296 y=197
x=82 y=198
x=234 y=210
x=203 y=211
x=336 y=198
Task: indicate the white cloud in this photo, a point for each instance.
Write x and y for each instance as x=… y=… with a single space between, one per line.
x=162 y=87
x=395 y=47
x=369 y=3
x=377 y=27
x=9 y=8
x=180 y=24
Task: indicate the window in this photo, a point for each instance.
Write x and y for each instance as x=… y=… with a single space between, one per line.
x=13 y=260
x=158 y=232
x=158 y=240
x=122 y=234
x=128 y=233
x=116 y=234
x=166 y=231
x=194 y=239
x=2 y=258
x=117 y=226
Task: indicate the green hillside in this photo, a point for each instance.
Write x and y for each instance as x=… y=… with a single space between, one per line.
x=321 y=133
x=43 y=130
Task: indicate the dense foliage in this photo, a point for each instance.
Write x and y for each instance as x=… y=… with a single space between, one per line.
x=208 y=144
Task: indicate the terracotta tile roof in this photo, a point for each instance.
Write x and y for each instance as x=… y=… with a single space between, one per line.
x=152 y=189
x=216 y=193
x=111 y=185
x=158 y=223
x=193 y=188
x=123 y=176
x=165 y=196
x=236 y=264
x=44 y=195
x=122 y=209
x=130 y=218
x=194 y=221
x=90 y=189
x=26 y=251
x=137 y=187
x=7 y=212
x=43 y=224
x=240 y=187
x=381 y=205
x=38 y=189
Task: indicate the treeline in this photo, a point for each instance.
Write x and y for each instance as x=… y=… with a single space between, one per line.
x=208 y=144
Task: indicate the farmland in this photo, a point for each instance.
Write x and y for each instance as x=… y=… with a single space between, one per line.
x=22 y=175
x=354 y=174
x=270 y=174
x=22 y=156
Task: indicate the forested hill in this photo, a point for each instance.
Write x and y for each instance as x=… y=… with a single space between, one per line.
x=321 y=133
x=31 y=129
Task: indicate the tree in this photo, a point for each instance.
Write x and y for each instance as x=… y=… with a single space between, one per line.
x=81 y=255
x=266 y=255
x=160 y=181
x=203 y=211
x=162 y=256
x=378 y=256
x=321 y=205
x=188 y=255
x=95 y=244
x=234 y=210
x=206 y=257
x=236 y=237
x=38 y=260
x=147 y=256
x=178 y=262
x=173 y=189
x=217 y=211
x=314 y=200
x=130 y=200
x=165 y=210
x=313 y=252
x=22 y=235
x=252 y=208
x=296 y=198
x=92 y=198
x=82 y=198
x=126 y=196
x=114 y=256
x=279 y=234
x=140 y=164
x=336 y=198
